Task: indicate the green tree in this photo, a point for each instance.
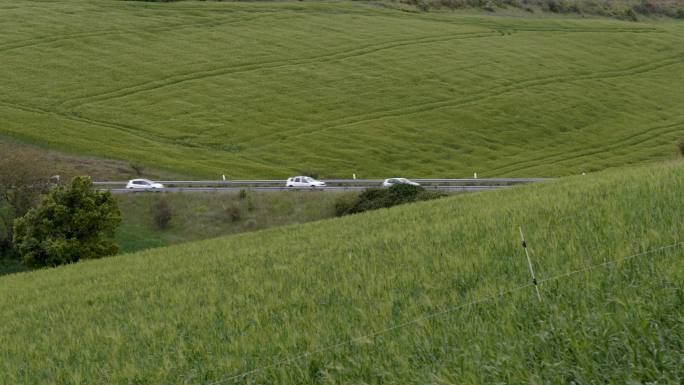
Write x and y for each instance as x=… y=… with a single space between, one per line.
x=68 y=225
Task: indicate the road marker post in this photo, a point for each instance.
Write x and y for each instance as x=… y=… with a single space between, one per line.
x=529 y=264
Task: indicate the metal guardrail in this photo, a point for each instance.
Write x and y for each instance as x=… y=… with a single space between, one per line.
x=368 y=182
x=302 y=189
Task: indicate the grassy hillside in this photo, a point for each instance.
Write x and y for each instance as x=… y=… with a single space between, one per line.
x=69 y=166
x=437 y=289
x=271 y=89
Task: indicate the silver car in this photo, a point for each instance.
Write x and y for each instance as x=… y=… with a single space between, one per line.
x=143 y=184
x=393 y=181
x=303 y=181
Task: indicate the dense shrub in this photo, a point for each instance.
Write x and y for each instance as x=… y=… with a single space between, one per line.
x=233 y=213
x=69 y=224
x=162 y=213
x=376 y=198
x=344 y=204
x=249 y=203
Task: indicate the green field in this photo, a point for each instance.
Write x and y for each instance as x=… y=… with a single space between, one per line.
x=271 y=89
x=436 y=292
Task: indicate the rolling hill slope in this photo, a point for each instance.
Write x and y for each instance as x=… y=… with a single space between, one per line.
x=270 y=89
x=436 y=292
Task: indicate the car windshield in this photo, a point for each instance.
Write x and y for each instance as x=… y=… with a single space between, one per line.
x=309 y=179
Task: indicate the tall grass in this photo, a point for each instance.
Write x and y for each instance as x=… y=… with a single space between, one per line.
x=202 y=312
x=269 y=89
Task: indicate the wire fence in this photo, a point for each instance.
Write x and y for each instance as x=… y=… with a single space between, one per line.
x=438 y=313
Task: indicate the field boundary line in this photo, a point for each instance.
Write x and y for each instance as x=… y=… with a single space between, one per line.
x=427 y=316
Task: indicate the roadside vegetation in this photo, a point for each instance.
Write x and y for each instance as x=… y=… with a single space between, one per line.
x=28 y=173
x=206 y=311
x=377 y=90
x=148 y=220
x=153 y=220
x=71 y=223
x=378 y=198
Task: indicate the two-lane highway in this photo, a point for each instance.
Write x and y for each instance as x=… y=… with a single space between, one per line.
x=332 y=185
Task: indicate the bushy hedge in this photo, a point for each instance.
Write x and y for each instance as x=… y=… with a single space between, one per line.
x=162 y=213
x=376 y=198
x=71 y=223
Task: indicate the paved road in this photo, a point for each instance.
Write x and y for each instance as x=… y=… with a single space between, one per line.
x=448 y=185
x=330 y=182
x=302 y=189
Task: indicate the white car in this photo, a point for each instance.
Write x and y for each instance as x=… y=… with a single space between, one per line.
x=143 y=184
x=303 y=181
x=392 y=181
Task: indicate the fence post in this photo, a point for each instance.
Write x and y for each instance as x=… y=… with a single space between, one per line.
x=529 y=264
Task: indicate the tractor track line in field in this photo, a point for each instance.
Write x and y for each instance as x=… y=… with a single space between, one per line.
x=568 y=29
x=161 y=28
x=560 y=157
x=131 y=130
x=135 y=131
x=199 y=75
x=355 y=52
x=497 y=91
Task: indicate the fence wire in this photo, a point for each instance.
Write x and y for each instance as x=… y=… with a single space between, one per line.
x=439 y=313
